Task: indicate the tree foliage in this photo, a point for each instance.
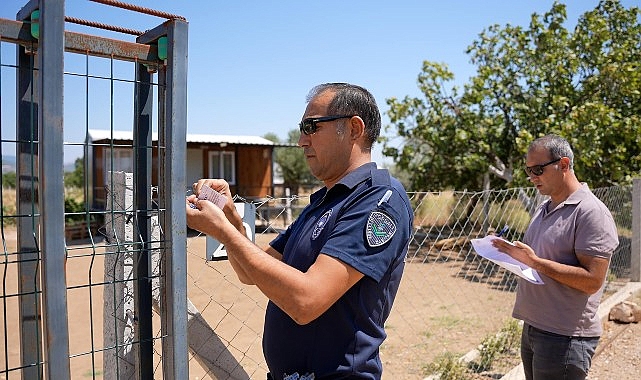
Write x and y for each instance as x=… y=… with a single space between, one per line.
x=582 y=84
x=9 y=180
x=76 y=177
x=291 y=161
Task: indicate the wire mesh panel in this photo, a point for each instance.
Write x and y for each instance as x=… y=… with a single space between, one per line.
x=108 y=85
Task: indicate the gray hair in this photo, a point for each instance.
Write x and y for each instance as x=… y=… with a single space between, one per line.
x=556 y=145
x=350 y=99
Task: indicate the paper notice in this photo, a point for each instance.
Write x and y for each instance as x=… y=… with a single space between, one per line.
x=485 y=249
x=208 y=194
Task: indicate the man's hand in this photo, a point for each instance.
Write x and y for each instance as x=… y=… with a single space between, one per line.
x=587 y=277
x=206 y=217
x=206 y=222
x=517 y=250
x=220 y=185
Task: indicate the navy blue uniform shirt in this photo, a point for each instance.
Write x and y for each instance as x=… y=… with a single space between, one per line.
x=365 y=220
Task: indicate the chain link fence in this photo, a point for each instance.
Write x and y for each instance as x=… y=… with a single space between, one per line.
x=450 y=300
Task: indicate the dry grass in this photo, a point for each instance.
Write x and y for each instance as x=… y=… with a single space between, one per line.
x=9 y=203
x=8 y=207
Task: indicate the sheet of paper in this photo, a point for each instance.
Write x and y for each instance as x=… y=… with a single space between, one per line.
x=485 y=249
x=209 y=194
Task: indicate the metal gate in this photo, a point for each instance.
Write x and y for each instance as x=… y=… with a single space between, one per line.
x=39 y=258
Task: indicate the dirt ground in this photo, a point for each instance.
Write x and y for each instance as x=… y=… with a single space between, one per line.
x=405 y=352
x=619 y=353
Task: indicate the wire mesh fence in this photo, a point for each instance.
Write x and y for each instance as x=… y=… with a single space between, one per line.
x=451 y=300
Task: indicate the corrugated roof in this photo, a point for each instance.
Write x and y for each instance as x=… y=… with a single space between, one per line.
x=99 y=135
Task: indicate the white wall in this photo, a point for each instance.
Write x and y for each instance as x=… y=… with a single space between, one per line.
x=195 y=169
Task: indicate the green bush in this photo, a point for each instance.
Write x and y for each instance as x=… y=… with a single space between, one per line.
x=495 y=345
x=503 y=345
x=9 y=180
x=447 y=367
x=73 y=210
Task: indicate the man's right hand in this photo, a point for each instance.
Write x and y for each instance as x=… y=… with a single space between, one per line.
x=221 y=186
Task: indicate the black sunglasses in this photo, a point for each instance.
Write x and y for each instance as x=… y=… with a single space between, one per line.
x=538 y=169
x=308 y=126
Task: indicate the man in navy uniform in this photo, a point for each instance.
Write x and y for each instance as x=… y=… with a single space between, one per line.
x=332 y=276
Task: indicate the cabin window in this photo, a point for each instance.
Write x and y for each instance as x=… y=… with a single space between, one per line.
x=223 y=165
x=122 y=160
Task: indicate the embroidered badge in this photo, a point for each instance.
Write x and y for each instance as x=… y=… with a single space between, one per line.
x=321 y=224
x=380 y=229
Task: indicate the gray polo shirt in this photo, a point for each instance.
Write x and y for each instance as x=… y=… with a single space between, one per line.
x=581 y=224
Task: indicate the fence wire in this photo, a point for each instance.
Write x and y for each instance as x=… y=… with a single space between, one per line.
x=450 y=301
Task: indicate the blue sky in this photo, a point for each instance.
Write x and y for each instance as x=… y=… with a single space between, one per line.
x=251 y=63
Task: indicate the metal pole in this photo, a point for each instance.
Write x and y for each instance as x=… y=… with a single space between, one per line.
x=635 y=264
x=27 y=224
x=143 y=107
x=173 y=144
x=51 y=188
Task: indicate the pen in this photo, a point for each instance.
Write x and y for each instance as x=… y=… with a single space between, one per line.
x=385 y=197
x=503 y=230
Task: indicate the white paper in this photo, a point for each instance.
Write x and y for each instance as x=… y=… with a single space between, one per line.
x=485 y=249
x=209 y=194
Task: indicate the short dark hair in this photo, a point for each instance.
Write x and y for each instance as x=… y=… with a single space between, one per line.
x=350 y=99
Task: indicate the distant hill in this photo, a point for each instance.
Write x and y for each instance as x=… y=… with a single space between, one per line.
x=8 y=160
x=9 y=164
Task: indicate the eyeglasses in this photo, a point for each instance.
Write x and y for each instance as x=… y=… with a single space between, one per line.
x=538 y=169
x=309 y=126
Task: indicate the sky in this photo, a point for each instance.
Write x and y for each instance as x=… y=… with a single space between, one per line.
x=251 y=63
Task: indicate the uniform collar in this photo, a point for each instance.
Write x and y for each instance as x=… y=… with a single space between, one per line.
x=349 y=181
x=358 y=175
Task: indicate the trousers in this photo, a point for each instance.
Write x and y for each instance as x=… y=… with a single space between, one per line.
x=549 y=356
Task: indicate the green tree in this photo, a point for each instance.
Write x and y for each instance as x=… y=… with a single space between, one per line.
x=583 y=85
x=76 y=177
x=291 y=161
x=9 y=180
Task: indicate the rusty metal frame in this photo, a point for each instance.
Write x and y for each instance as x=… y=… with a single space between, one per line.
x=19 y=32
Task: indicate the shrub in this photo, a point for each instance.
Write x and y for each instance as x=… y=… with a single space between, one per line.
x=9 y=180
x=447 y=367
x=73 y=210
x=495 y=345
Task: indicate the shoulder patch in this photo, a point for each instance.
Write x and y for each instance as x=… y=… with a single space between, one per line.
x=380 y=229
x=321 y=224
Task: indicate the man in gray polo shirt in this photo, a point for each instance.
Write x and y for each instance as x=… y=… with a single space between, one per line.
x=569 y=242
